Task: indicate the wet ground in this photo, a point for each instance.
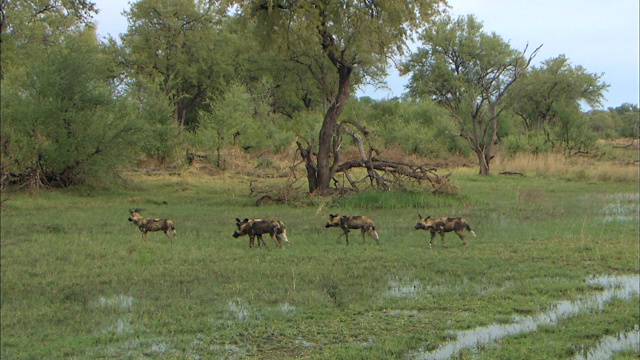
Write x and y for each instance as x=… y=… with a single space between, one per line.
x=622 y=287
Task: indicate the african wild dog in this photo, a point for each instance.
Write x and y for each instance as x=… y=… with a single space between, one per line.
x=363 y=223
x=257 y=227
x=146 y=225
x=442 y=225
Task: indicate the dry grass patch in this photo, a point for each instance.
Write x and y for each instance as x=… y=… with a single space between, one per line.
x=557 y=165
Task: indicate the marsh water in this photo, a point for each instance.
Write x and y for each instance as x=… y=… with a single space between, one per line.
x=621 y=287
x=621 y=207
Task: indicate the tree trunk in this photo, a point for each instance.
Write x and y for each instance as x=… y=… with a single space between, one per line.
x=325 y=170
x=485 y=156
x=307 y=157
x=484 y=159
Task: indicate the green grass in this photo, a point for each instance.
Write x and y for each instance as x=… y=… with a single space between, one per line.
x=78 y=282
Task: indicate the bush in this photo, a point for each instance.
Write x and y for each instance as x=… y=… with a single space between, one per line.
x=532 y=142
x=514 y=144
x=61 y=129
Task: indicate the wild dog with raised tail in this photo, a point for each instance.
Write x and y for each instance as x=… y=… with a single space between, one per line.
x=257 y=227
x=146 y=225
x=346 y=223
x=443 y=225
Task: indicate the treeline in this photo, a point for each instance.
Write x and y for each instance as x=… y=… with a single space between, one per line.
x=200 y=76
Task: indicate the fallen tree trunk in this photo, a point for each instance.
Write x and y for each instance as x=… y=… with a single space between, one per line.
x=382 y=174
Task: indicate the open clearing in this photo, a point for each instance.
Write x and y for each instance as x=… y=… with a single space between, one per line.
x=552 y=274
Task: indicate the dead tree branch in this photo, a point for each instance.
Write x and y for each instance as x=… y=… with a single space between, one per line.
x=381 y=173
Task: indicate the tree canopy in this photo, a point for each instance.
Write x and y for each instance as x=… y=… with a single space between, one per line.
x=212 y=78
x=549 y=98
x=174 y=45
x=342 y=44
x=469 y=72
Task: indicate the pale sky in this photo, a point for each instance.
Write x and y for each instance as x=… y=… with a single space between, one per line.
x=600 y=35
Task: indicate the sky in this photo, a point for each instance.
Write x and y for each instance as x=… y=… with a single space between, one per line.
x=600 y=35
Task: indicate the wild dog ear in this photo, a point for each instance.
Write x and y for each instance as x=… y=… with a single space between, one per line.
x=245 y=220
x=238 y=220
x=420 y=216
x=332 y=215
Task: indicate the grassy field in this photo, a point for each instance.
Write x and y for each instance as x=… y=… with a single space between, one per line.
x=78 y=282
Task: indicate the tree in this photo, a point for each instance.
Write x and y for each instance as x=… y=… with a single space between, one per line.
x=177 y=46
x=552 y=88
x=607 y=124
x=630 y=118
x=62 y=123
x=27 y=19
x=341 y=43
x=227 y=114
x=28 y=27
x=469 y=72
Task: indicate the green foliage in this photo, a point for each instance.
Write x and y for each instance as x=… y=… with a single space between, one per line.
x=553 y=87
x=62 y=123
x=190 y=74
x=607 y=124
x=572 y=130
x=29 y=25
x=340 y=45
x=549 y=97
x=364 y=34
x=531 y=142
x=629 y=120
x=243 y=118
x=266 y=129
x=420 y=128
x=630 y=124
x=308 y=123
x=469 y=72
x=155 y=113
x=174 y=45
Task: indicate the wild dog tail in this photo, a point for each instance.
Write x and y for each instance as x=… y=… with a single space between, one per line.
x=468 y=227
x=171 y=227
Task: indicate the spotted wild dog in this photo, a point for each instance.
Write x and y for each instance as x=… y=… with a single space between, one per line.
x=442 y=225
x=346 y=223
x=146 y=225
x=257 y=227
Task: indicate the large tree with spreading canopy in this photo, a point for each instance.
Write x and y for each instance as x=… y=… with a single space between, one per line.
x=469 y=72
x=343 y=44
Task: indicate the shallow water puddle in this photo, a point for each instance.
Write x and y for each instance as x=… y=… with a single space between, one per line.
x=621 y=207
x=404 y=288
x=612 y=344
x=238 y=309
x=622 y=287
x=122 y=304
